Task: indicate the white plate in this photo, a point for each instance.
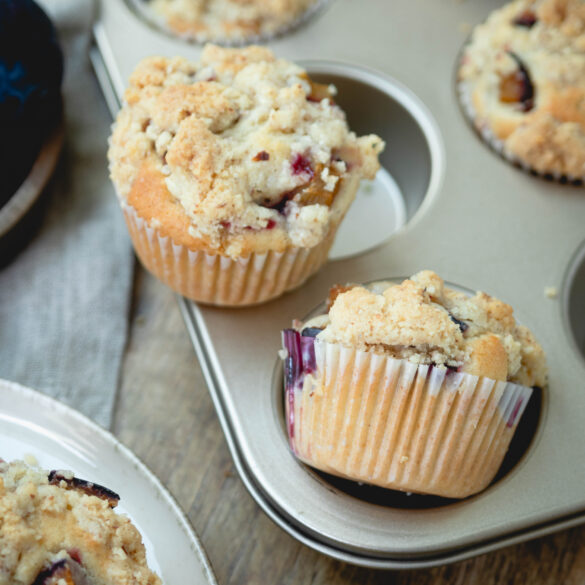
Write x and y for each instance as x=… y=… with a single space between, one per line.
x=62 y=438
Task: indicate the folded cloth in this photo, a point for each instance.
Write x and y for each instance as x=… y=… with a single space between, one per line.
x=64 y=299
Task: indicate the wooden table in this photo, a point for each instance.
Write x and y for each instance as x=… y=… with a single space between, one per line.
x=164 y=413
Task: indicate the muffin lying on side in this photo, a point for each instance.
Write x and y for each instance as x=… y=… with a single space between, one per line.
x=414 y=387
x=234 y=173
x=522 y=82
x=56 y=529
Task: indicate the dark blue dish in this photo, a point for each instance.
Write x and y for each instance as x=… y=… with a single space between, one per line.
x=31 y=71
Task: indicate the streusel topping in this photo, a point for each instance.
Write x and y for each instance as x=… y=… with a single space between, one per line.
x=423 y=321
x=50 y=530
x=217 y=20
x=523 y=76
x=245 y=143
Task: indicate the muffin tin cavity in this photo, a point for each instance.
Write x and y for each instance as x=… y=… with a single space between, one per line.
x=412 y=162
x=574 y=306
x=519 y=449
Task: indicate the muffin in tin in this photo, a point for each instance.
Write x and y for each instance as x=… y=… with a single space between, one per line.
x=234 y=173
x=228 y=21
x=57 y=529
x=522 y=83
x=412 y=386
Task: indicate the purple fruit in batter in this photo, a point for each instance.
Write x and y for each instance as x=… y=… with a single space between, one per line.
x=462 y=325
x=527 y=19
x=301 y=165
x=517 y=87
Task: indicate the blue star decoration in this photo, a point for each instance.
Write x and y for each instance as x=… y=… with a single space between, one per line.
x=15 y=87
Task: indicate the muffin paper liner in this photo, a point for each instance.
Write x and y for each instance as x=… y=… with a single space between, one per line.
x=392 y=423
x=218 y=279
x=498 y=145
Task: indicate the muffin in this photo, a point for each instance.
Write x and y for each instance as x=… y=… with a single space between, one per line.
x=56 y=529
x=234 y=173
x=232 y=21
x=522 y=83
x=411 y=386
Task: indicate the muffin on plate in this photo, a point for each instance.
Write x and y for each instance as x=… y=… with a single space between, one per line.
x=56 y=529
x=234 y=173
x=228 y=21
x=522 y=83
x=412 y=386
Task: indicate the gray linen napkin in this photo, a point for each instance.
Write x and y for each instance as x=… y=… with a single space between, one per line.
x=64 y=300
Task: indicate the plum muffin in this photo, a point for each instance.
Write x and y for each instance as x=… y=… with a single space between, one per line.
x=522 y=82
x=228 y=20
x=234 y=173
x=411 y=386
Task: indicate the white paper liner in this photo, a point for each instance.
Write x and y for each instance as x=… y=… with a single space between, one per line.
x=221 y=280
x=403 y=426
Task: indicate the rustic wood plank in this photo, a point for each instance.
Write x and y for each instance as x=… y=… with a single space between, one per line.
x=166 y=416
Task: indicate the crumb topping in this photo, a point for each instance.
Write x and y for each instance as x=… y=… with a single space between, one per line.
x=243 y=143
x=425 y=322
x=217 y=20
x=45 y=529
x=524 y=75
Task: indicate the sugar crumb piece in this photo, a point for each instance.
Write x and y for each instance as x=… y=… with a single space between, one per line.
x=30 y=460
x=465 y=27
x=404 y=459
x=551 y=292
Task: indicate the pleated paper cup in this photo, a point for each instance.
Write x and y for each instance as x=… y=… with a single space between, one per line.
x=221 y=280
x=395 y=424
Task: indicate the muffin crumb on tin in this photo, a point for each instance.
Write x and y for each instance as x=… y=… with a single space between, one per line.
x=229 y=20
x=522 y=83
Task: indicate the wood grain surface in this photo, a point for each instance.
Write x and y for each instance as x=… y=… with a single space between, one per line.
x=166 y=416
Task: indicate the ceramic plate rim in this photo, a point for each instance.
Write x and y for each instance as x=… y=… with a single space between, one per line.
x=23 y=396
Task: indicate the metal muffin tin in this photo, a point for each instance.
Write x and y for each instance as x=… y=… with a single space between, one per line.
x=473 y=218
